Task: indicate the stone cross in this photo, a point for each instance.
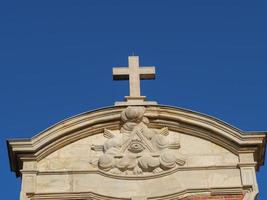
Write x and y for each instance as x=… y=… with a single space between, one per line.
x=134 y=73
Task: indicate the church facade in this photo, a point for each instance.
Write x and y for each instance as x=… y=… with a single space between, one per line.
x=139 y=150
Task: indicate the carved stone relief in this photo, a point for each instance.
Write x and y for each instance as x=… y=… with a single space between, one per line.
x=137 y=149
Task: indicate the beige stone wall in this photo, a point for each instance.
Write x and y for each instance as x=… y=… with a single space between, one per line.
x=197 y=153
x=207 y=166
x=129 y=153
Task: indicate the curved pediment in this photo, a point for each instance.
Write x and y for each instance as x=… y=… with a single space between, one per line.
x=156 y=129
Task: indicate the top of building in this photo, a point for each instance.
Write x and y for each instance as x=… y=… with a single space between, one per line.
x=139 y=150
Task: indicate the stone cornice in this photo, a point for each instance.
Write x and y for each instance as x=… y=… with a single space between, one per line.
x=120 y=177
x=176 y=119
x=183 y=194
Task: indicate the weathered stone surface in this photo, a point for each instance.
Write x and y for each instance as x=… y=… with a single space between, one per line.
x=107 y=186
x=187 y=151
x=76 y=167
x=54 y=183
x=141 y=144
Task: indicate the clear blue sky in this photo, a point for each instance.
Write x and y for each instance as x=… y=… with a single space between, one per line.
x=56 y=59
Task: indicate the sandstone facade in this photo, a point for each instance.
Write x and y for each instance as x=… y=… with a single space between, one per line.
x=139 y=152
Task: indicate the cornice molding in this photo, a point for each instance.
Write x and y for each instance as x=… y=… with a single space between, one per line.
x=121 y=177
x=183 y=194
x=176 y=119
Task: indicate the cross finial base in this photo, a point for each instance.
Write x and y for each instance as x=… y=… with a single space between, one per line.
x=135 y=101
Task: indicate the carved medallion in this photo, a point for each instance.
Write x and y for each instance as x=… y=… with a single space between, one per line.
x=137 y=149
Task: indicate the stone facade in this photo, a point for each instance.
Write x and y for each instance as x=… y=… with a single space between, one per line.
x=139 y=152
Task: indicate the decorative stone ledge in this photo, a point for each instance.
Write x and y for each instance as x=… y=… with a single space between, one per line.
x=217 y=197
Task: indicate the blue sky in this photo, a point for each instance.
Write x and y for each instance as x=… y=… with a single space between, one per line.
x=56 y=59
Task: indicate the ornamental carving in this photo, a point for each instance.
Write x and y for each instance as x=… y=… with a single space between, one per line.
x=137 y=149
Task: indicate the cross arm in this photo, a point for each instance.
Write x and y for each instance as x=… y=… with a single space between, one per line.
x=120 y=73
x=147 y=73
